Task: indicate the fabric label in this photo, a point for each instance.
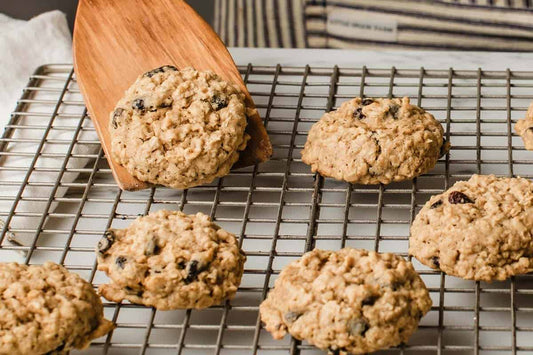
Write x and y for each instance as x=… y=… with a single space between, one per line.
x=362 y=25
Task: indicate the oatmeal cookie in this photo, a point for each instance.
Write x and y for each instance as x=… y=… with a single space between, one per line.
x=351 y=301
x=480 y=229
x=179 y=128
x=45 y=309
x=371 y=141
x=170 y=260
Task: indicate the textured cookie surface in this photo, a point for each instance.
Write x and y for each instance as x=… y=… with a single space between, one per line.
x=349 y=301
x=524 y=128
x=171 y=260
x=371 y=141
x=479 y=229
x=46 y=309
x=178 y=128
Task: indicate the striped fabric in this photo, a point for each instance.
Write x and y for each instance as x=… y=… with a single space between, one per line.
x=261 y=23
x=494 y=25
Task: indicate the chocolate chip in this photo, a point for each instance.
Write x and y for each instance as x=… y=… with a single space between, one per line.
x=57 y=350
x=358 y=114
x=116 y=114
x=292 y=316
x=435 y=261
x=162 y=69
x=193 y=272
x=218 y=103
x=396 y=285
x=138 y=104
x=444 y=148
x=120 y=261
x=152 y=248
x=366 y=102
x=358 y=326
x=436 y=204
x=370 y=300
x=336 y=351
x=393 y=109
x=106 y=241
x=133 y=291
x=374 y=137
x=456 y=197
x=166 y=104
x=182 y=265
x=61 y=347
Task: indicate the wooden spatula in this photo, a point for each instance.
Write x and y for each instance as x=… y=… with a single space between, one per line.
x=117 y=40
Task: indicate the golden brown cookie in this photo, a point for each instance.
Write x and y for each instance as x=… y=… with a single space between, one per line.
x=351 y=301
x=480 y=229
x=179 y=128
x=170 y=260
x=371 y=141
x=45 y=309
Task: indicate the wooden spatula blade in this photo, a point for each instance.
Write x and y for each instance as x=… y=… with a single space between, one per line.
x=116 y=41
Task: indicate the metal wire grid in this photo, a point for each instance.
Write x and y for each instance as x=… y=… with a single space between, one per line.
x=57 y=196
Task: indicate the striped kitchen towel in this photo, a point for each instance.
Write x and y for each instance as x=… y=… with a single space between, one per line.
x=492 y=25
x=261 y=23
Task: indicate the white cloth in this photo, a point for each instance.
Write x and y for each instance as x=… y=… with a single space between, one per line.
x=24 y=46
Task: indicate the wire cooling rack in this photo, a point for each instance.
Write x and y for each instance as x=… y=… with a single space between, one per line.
x=57 y=196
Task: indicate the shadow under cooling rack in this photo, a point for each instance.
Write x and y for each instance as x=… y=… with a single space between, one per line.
x=57 y=197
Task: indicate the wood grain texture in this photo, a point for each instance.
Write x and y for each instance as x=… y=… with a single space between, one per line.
x=116 y=41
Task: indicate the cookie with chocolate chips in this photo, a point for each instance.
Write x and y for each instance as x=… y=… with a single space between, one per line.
x=371 y=141
x=179 y=128
x=524 y=128
x=170 y=260
x=351 y=301
x=480 y=229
